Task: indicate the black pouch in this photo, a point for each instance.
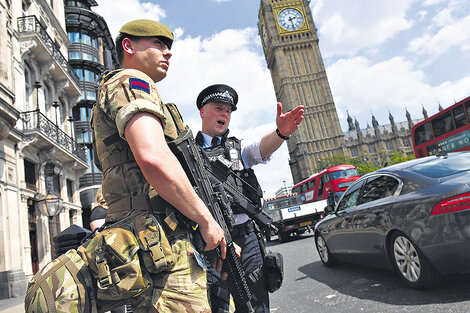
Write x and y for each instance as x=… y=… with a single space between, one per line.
x=274 y=271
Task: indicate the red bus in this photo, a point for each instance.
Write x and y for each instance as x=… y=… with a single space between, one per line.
x=447 y=130
x=334 y=179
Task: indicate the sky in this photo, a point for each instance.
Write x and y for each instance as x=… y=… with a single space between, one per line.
x=380 y=57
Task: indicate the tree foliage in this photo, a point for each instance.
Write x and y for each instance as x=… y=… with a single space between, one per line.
x=365 y=163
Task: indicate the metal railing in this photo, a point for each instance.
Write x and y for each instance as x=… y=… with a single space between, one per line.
x=30 y=24
x=35 y=120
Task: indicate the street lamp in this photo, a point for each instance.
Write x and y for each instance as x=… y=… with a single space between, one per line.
x=51 y=204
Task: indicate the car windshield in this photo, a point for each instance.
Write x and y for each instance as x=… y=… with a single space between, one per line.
x=442 y=167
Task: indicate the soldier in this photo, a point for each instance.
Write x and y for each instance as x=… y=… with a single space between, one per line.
x=131 y=125
x=216 y=104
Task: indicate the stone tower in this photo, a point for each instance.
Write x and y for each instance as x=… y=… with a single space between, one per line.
x=290 y=43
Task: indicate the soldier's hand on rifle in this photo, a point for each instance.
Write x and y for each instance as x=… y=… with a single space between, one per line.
x=213 y=235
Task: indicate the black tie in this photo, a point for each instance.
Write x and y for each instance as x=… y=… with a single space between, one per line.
x=215 y=141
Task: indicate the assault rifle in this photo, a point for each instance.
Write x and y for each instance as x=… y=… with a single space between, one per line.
x=220 y=172
x=194 y=162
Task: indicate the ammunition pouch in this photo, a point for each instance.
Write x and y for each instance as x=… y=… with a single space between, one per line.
x=274 y=271
x=122 y=256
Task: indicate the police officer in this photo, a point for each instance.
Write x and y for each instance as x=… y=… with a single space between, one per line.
x=216 y=104
x=130 y=127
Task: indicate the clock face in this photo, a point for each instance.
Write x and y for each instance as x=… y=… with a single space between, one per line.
x=264 y=35
x=290 y=19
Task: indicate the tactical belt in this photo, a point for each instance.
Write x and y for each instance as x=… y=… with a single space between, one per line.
x=124 y=206
x=243 y=229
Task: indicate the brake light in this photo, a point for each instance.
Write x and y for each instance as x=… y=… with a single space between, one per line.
x=453 y=204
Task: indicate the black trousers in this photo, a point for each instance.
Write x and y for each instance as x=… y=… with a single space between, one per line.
x=251 y=260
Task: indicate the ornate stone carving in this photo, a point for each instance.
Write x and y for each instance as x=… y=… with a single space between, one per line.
x=26 y=46
x=47 y=67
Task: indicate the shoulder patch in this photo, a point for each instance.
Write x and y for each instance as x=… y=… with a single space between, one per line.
x=135 y=83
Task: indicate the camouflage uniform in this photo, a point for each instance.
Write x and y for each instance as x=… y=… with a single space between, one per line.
x=121 y=94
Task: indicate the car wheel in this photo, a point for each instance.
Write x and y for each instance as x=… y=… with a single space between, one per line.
x=283 y=236
x=410 y=264
x=323 y=251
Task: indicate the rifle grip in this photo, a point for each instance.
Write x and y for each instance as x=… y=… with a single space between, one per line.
x=197 y=241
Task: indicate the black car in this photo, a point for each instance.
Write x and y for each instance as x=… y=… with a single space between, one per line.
x=412 y=217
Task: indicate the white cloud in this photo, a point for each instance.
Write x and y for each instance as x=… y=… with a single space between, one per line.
x=432 y=2
x=228 y=57
x=118 y=12
x=347 y=27
x=453 y=36
x=364 y=88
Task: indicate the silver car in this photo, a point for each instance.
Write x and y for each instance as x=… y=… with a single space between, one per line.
x=412 y=217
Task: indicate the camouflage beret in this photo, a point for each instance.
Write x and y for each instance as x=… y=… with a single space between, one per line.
x=148 y=28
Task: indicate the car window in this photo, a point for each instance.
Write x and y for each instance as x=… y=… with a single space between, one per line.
x=350 y=197
x=378 y=187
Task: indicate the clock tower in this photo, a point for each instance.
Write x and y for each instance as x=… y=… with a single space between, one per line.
x=290 y=44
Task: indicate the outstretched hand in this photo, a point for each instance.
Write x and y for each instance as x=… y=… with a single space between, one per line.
x=287 y=123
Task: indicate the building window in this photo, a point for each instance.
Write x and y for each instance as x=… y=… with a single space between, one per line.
x=30 y=174
x=70 y=190
x=86 y=39
x=28 y=86
x=75 y=56
x=89 y=76
x=72 y=214
x=406 y=142
x=83 y=137
x=389 y=145
x=79 y=73
x=91 y=95
x=74 y=37
x=82 y=115
x=25 y=4
x=354 y=152
x=372 y=148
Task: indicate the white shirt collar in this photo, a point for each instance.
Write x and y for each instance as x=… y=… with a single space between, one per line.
x=208 y=140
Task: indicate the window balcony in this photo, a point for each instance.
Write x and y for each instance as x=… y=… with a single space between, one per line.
x=29 y=28
x=47 y=135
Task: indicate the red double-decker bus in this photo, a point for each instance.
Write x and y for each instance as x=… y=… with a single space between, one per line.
x=334 y=179
x=445 y=131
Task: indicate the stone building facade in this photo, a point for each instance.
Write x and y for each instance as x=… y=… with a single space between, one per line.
x=40 y=160
x=373 y=140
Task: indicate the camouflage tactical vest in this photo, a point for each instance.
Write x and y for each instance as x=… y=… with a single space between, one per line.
x=121 y=94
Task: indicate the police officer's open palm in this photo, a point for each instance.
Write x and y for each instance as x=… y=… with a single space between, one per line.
x=288 y=122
